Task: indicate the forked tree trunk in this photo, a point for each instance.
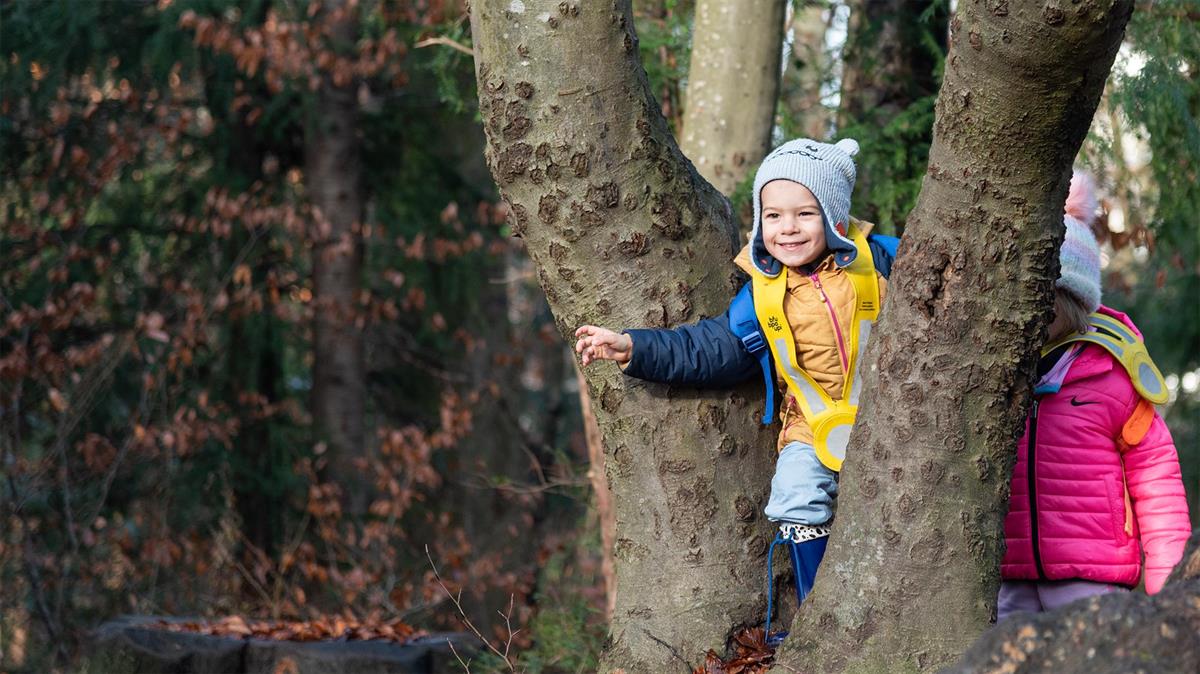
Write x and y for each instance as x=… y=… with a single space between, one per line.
x=624 y=233
x=333 y=171
x=911 y=573
x=733 y=85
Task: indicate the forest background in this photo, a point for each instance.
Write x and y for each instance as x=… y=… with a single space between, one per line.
x=270 y=348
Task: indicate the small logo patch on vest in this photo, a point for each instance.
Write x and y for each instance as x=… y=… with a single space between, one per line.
x=773 y=323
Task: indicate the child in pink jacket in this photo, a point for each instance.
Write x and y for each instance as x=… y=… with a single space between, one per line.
x=1097 y=483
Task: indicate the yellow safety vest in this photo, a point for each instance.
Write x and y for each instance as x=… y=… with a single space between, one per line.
x=1128 y=348
x=831 y=420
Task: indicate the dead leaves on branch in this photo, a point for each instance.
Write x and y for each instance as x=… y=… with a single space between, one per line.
x=329 y=628
x=751 y=655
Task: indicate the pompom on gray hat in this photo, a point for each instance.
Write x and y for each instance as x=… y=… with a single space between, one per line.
x=827 y=170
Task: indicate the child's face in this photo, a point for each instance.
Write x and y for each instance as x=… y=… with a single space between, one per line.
x=793 y=230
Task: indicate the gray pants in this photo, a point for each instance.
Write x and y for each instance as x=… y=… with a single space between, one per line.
x=1047 y=595
x=803 y=489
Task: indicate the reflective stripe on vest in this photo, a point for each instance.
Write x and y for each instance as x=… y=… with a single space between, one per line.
x=830 y=420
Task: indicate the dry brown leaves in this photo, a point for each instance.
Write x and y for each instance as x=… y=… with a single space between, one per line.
x=752 y=655
x=332 y=628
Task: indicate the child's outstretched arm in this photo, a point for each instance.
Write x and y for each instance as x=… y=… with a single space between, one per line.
x=1159 y=501
x=597 y=343
x=703 y=354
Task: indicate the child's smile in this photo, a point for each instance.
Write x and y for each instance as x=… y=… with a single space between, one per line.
x=793 y=229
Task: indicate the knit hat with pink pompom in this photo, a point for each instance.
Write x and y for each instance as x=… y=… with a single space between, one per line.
x=1079 y=257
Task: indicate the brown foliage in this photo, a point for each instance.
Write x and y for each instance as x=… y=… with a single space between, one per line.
x=751 y=655
x=327 y=628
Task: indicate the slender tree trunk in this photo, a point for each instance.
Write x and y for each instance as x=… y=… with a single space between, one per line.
x=911 y=573
x=807 y=68
x=886 y=62
x=733 y=85
x=889 y=63
x=334 y=168
x=624 y=233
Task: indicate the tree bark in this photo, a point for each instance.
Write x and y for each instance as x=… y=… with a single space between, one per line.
x=911 y=572
x=808 y=64
x=623 y=232
x=333 y=169
x=733 y=85
x=889 y=63
x=602 y=496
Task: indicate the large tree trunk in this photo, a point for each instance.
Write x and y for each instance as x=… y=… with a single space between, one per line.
x=624 y=233
x=733 y=84
x=889 y=64
x=911 y=573
x=333 y=170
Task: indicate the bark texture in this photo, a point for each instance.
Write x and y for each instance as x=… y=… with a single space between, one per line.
x=1114 y=634
x=333 y=167
x=733 y=84
x=624 y=233
x=602 y=496
x=910 y=577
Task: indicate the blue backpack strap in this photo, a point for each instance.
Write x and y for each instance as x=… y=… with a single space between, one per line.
x=887 y=245
x=744 y=323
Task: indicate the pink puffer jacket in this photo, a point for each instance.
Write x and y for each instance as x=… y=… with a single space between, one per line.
x=1076 y=514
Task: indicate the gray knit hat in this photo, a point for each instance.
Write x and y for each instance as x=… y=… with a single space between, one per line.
x=828 y=172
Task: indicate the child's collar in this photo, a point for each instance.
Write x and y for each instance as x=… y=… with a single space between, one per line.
x=826 y=263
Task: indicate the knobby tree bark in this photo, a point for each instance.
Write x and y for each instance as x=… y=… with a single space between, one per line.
x=333 y=167
x=601 y=496
x=623 y=232
x=733 y=84
x=911 y=573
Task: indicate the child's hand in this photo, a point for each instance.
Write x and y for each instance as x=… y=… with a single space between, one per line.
x=603 y=344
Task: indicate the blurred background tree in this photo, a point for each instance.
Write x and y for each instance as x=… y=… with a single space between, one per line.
x=243 y=370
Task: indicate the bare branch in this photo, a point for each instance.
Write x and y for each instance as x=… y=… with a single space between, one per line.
x=445 y=41
x=467 y=621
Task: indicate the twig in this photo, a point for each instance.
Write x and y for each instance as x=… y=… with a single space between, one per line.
x=447 y=42
x=465 y=665
x=35 y=580
x=508 y=627
x=686 y=667
x=467 y=621
x=555 y=486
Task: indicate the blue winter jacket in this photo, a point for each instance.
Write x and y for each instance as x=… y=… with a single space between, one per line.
x=708 y=354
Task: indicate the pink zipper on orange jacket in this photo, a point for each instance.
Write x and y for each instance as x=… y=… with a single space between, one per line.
x=1079 y=507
